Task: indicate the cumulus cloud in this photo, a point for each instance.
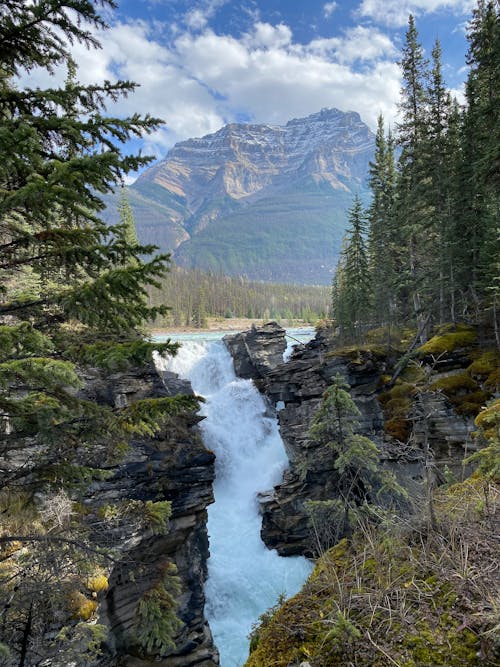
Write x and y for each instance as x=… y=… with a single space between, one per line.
x=203 y=79
x=395 y=12
x=359 y=43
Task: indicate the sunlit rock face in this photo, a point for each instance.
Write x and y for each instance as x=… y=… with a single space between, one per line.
x=264 y=201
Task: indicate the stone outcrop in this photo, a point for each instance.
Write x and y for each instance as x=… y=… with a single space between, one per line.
x=296 y=387
x=257 y=352
x=173 y=466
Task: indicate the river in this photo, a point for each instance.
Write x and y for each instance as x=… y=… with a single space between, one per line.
x=244 y=577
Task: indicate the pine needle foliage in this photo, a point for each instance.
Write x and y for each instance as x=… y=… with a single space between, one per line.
x=362 y=479
x=156 y=621
x=73 y=295
x=433 y=238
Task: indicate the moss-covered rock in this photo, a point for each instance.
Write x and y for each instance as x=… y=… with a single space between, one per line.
x=463 y=392
x=393 y=595
x=448 y=339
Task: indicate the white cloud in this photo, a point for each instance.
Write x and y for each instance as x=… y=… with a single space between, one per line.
x=329 y=8
x=395 y=12
x=265 y=35
x=203 y=79
x=198 y=17
x=359 y=43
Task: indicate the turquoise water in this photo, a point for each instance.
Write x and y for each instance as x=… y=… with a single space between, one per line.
x=244 y=577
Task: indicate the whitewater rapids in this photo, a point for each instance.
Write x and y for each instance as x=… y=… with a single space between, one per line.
x=244 y=577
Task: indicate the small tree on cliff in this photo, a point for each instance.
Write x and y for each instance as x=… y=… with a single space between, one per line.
x=362 y=480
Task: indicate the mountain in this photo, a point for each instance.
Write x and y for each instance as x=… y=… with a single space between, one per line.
x=264 y=201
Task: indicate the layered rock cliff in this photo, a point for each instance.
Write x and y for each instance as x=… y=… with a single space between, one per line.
x=263 y=201
x=110 y=544
x=172 y=466
x=295 y=387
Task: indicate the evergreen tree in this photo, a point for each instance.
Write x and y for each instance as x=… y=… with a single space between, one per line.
x=127 y=219
x=383 y=243
x=85 y=296
x=412 y=211
x=480 y=175
x=439 y=165
x=353 y=286
x=356 y=459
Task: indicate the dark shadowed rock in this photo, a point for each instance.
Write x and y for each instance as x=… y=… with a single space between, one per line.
x=296 y=388
x=173 y=466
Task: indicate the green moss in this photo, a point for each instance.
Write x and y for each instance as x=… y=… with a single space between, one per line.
x=358 y=354
x=396 y=403
x=442 y=646
x=470 y=404
x=388 y=592
x=489 y=416
x=484 y=364
x=451 y=338
x=492 y=382
x=463 y=392
x=454 y=384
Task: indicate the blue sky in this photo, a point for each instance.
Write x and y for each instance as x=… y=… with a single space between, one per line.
x=204 y=63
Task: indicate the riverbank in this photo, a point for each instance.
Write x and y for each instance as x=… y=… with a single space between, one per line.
x=226 y=324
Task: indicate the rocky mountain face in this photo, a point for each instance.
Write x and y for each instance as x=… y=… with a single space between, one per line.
x=295 y=388
x=175 y=466
x=267 y=202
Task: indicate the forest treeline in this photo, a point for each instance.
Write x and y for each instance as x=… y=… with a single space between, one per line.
x=427 y=251
x=193 y=295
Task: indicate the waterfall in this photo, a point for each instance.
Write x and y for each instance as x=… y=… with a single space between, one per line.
x=244 y=577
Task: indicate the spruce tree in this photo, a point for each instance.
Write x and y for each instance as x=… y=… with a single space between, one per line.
x=355 y=289
x=481 y=168
x=362 y=478
x=411 y=200
x=383 y=243
x=439 y=167
x=73 y=293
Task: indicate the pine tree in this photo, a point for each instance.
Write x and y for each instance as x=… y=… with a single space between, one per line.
x=411 y=201
x=481 y=168
x=356 y=460
x=73 y=293
x=353 y=286
x=383 y=244
x=127 y=219
x=439 y=164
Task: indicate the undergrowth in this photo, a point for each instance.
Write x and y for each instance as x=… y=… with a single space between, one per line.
x=400 y=593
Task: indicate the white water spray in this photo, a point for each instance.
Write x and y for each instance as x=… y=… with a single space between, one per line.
x=245 y=578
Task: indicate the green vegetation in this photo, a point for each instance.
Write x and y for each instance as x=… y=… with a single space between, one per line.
x=156 y=622
x=447 y=340
x=285 y=238
x=432 y=238
x=413 y=591
x=361 y=479
x=397 y=594
x=73 y=293
x=194 y=295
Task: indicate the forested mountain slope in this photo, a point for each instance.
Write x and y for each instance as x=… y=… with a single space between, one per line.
x=266 y=202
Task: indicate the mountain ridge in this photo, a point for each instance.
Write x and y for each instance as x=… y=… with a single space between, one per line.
x=263 y=201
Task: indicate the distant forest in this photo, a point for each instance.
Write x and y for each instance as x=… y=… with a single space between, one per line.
x=194 y=295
